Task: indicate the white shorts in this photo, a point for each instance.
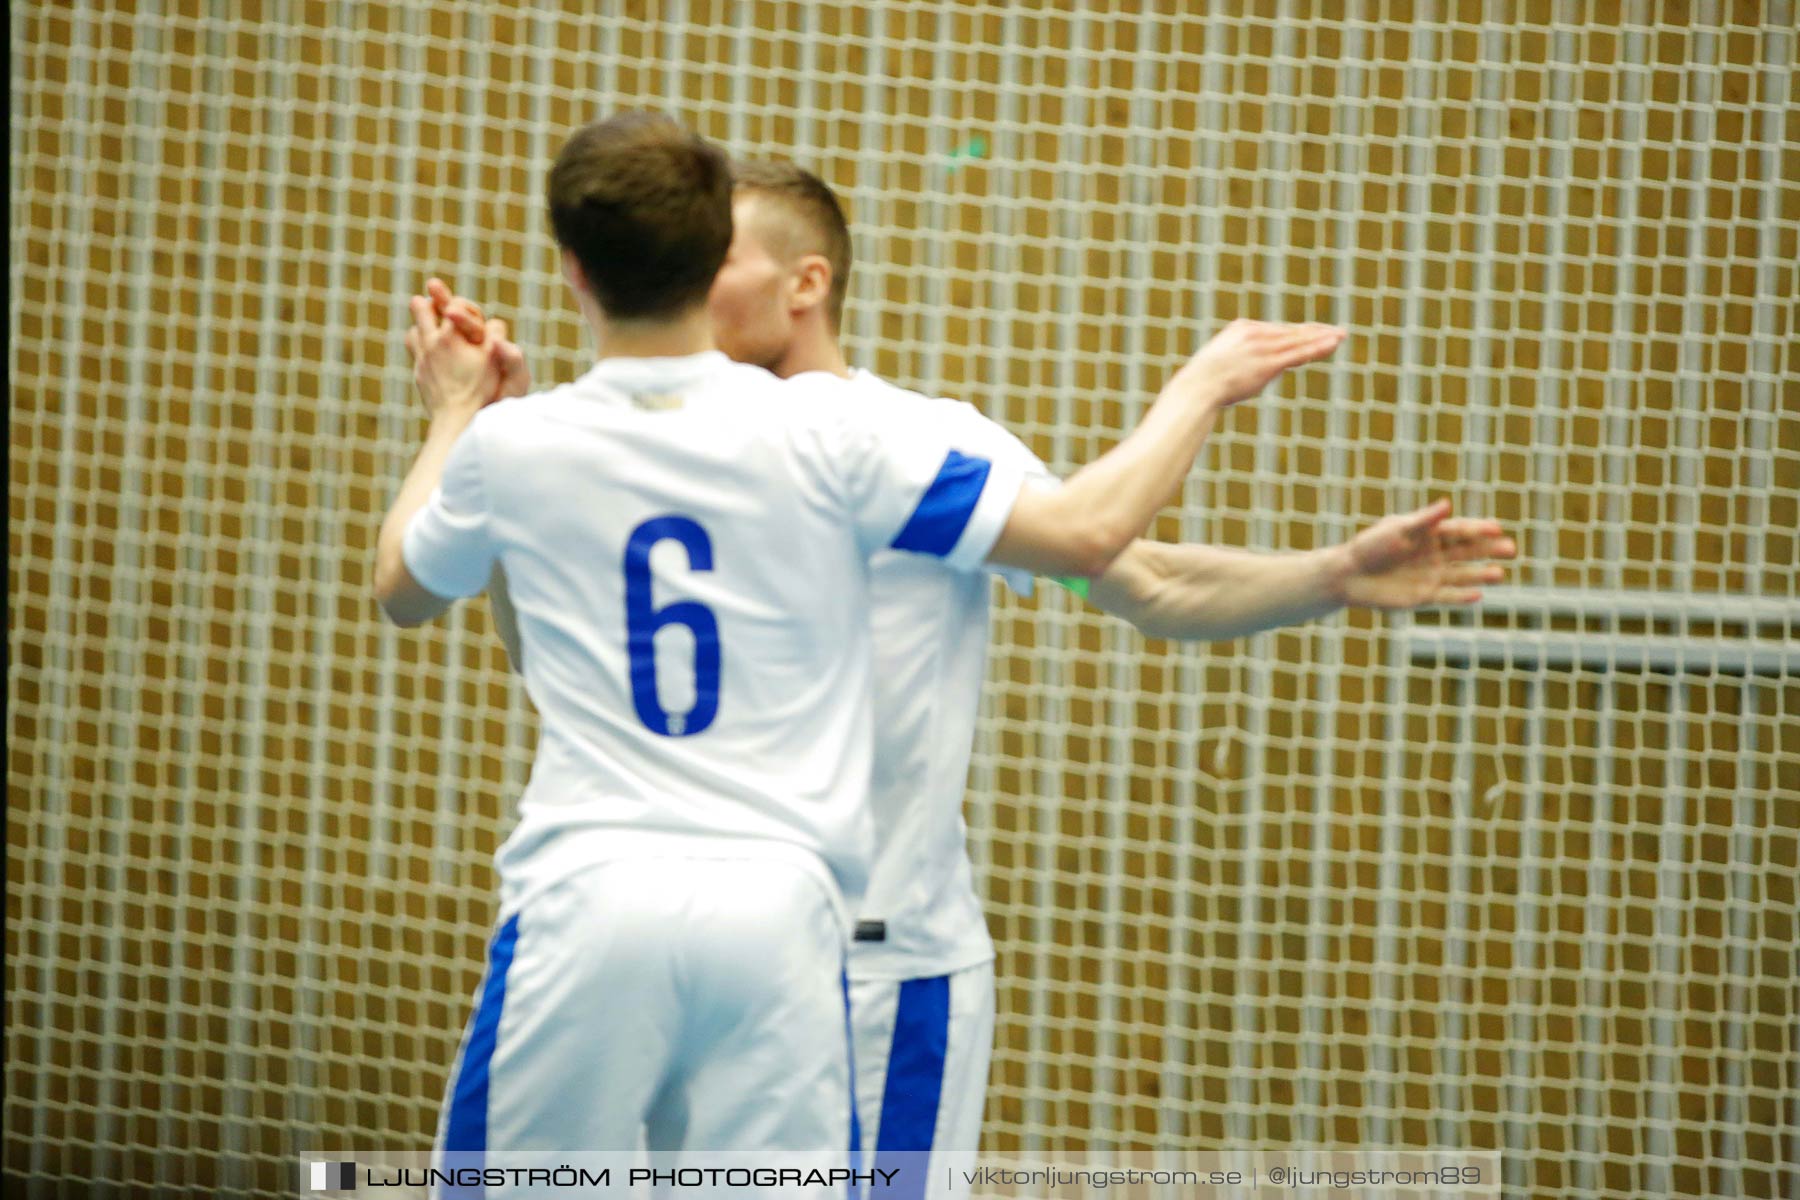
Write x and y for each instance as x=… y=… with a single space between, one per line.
x=673 y=1003
x=922 y=1052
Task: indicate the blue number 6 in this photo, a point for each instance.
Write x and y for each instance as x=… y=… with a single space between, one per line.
x=642 y=620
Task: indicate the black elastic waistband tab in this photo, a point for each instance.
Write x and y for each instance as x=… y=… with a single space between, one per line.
x=871 y=931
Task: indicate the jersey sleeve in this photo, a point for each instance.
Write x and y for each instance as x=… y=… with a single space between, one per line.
x=978 y=433
x=994 y=440
x=912 y=487
x=449 y=547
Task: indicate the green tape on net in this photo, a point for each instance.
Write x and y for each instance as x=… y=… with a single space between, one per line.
x=976 y=147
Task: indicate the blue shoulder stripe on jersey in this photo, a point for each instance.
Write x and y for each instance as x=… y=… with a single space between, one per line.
x=466 y=1130
x=915 y=1078
x=945 y=508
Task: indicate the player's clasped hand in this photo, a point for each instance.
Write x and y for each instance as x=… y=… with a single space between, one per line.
x=454 y=370
x=465 y=316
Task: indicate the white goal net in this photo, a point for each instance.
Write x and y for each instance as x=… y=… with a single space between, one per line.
x=1520 y=879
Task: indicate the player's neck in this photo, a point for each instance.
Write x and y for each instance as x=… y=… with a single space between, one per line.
x=677 y=337
x=816 y=349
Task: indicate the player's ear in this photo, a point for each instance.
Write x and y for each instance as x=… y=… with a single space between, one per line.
x=812 y=281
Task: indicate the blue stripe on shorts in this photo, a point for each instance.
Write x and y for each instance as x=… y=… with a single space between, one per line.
x=466 y=1130
x=915 y=1076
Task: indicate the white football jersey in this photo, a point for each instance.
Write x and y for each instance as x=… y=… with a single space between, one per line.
x=686 y=543
x=931 y=627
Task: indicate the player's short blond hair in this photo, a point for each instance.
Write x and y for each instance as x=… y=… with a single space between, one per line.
x=811 y=202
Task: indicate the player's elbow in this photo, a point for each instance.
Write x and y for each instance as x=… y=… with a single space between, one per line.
x=1058 y=534
x=1137 y=588
x=387 y=590
x=396 y=611
x=399 y=597
x=394 y=607
x=409 y=611
x=1092 y=546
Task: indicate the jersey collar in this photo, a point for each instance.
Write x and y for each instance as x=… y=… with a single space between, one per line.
x=654 y=374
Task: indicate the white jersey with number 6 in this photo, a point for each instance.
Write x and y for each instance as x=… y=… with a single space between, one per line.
x=686 y=543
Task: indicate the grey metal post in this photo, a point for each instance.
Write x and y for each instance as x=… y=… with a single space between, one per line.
x=127 y=613
x=1523 y=999
x=1550 y=419
x=531 y=327
x=1409 y=417
x=1000 y=248
x=1622 y=374
x=1674 y=894
x=398 y=432
x=805 y=140
x=875 y=146
x=324 y=773
x=59 y=635
x=193 y=648
x=936 y=210
x=1250 y=976
x=1700 y=126
x=1599 y=918
x=256 y=613
x=1177 y=1070
x=453 y=783
x=1071 y=191
x=1452 y=1095
x=670 y=22
x=1349 y=136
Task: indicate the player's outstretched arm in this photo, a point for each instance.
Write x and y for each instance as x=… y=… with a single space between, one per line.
x=1211 y=593
x=456 y=379
x=1081 y=527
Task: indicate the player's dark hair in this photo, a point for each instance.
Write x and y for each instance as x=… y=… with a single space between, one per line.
x=645 y=207
x=807 y=197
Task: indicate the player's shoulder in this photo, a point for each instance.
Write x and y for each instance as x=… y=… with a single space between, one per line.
x=516 y=412
x=872 y=387
x=510 y=426
x=743 y=392
x=729 y=402
x=869 y=396
x=601 y=396
x=968 y=428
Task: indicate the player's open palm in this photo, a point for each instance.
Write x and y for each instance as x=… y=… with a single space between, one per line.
x=1245 y=356
x=1427 y=557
